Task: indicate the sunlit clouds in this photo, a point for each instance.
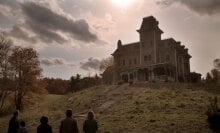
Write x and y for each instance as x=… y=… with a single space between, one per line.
x=123 y=3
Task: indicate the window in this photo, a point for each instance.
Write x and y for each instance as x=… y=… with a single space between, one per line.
x=123 y=62
x=145 y=58
x=167 y=57
x=151 y=43
x=130 y=62
x=135 y=61
x=149 y=57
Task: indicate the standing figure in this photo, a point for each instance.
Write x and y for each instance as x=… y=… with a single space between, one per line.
x=90 y=125
x=44 y=127
x=68 y=125
x=13 y=123
x=22 y=128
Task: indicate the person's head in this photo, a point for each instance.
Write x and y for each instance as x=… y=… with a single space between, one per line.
x=44 y=120
x=90 y=115
x=15 y=114
x=22 y=123
x=69 y=113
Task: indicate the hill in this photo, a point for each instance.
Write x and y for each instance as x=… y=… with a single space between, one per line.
x=152 y=108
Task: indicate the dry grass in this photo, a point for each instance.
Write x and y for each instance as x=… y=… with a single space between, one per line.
x=154 y=108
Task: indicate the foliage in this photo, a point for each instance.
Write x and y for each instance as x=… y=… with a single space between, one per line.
x=208 y=77
x=215 y=75
x=74 y=82
x=26 y=66
x=87 y=82
x=213 y=114
x=77 y=83
x=55 y=86
x=5 y=71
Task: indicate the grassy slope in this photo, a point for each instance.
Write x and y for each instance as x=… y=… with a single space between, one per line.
x=152 y=109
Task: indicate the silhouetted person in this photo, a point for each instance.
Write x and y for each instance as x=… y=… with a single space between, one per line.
x=68 y=125
x=13 y=123
x=22 y=128
x=90 y=125
x=44 y=127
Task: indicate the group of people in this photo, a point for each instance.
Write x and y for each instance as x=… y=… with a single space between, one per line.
x=68 y=125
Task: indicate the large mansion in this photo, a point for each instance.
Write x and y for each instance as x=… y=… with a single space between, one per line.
x=151 y=58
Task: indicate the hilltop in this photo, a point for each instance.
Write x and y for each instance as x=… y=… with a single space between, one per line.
x=154 y=108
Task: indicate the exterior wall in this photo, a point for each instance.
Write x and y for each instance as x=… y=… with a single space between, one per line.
x=128 y=58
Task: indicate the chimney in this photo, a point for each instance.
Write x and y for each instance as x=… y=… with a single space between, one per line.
x=119 y=43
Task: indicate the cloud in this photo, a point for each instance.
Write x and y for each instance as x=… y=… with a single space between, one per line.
x=48 y=25
x=91 y=63
x=11 y=3
x=5 y=10
x=19 y=33
x=53 y=61
x=200 y=6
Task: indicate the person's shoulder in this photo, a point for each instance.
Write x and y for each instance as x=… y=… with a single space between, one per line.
x=73 y=119
x=63 y=120
x=94 y=121
x=39 y=126
x=49 y=126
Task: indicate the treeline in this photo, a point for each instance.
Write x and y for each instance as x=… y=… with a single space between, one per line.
x=213 y=76
x=75 y=83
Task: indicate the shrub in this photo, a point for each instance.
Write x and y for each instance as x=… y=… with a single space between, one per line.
x=213 y=114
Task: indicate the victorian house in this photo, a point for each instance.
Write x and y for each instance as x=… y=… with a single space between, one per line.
x=151 y=58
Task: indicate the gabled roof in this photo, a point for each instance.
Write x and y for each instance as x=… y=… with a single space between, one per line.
x=126 y=46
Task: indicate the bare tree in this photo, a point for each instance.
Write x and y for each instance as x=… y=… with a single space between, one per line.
x=5 y=71
x=26 y=66
x=105 y=63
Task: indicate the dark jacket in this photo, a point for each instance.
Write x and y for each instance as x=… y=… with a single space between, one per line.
x=23 y=130
x=13 y=125
x=90 y=126
x=69 y=125
x=44 y=128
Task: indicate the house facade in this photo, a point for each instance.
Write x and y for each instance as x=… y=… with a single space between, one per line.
x=151 y=58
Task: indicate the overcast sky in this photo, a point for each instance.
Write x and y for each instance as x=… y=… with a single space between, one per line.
x=72 y=36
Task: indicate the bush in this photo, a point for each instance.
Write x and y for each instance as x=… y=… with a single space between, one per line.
x=213 y=114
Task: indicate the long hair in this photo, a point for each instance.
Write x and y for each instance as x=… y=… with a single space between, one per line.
x=90 y=115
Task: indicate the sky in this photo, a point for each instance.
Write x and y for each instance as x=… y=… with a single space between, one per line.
x=73 y=36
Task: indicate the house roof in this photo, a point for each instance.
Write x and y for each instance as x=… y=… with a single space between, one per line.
x=126 y=46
